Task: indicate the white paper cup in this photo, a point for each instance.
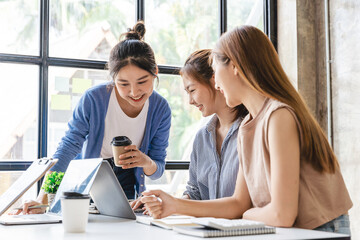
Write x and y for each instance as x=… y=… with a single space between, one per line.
x=75 y=213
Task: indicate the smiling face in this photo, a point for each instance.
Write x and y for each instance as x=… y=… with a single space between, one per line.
x=228 y=82
x=199 y=95
x=134 y=85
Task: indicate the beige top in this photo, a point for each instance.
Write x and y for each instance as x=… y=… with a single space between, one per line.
x=322 y=196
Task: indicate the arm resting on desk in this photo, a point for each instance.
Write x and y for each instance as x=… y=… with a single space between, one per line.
x=161 y=204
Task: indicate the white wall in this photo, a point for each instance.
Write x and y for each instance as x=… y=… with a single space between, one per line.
x=345 y=75
x=301 y=47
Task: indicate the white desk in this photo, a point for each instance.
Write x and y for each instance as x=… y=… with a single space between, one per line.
x=102 y=227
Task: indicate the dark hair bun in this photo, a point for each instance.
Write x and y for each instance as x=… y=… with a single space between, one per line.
x=137 y=32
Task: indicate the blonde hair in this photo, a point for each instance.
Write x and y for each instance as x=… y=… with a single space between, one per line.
x=252 y=53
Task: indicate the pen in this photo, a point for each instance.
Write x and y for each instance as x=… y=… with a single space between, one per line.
x=32 y=207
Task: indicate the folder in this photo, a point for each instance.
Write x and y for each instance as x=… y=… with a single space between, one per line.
x=33 y=174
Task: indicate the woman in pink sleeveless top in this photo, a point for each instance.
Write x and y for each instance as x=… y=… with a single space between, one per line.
x=288 y=173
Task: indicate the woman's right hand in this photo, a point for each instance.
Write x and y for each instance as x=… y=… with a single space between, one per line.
x=158 y=203
x=25 y=208
x=137 y=204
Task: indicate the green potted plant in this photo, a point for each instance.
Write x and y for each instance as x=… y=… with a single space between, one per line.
x=51 y=184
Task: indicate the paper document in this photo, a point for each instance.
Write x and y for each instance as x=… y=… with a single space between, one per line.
x=33 y=174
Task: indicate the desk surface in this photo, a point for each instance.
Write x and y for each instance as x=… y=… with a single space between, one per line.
x=103 y=227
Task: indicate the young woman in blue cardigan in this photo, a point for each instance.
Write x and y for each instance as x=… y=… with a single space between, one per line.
x=128 y=105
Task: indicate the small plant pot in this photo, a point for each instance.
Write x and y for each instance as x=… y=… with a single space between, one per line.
x=51 y=197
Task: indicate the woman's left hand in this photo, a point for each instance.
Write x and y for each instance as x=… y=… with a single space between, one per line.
x=134 y=158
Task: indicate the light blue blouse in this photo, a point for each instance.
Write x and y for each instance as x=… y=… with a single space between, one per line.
x=212 y=176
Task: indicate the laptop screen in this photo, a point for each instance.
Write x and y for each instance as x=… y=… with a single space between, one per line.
x=97 y=178
x=79 y=177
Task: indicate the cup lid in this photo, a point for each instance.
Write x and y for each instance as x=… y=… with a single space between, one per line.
x=75 y=195
x=121 y=141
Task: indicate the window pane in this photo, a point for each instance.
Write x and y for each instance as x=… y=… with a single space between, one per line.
x=19 y=111
x=88 y=29
x=176 y=28
x=172 y=181
x=20 y=27
x=185 y=118
x=248 y=12
x=66 y=85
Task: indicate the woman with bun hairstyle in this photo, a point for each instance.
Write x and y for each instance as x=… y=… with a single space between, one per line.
x=288 y=174
x=126 y=106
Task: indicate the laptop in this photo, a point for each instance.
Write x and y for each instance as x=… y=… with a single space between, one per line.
x=87 y=176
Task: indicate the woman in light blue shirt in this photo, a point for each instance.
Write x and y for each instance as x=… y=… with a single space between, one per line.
x=214 y=159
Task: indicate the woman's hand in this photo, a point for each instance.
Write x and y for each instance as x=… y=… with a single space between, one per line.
x=25 y=208
x=136 y=204
x=158 y=203
x=135 y=158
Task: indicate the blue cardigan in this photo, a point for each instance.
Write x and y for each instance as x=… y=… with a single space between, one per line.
x=86 y=132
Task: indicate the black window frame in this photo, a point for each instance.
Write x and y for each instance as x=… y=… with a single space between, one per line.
x=44 y=61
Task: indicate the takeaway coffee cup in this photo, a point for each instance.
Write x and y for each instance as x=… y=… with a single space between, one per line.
x=75 y=211
x=118 y=143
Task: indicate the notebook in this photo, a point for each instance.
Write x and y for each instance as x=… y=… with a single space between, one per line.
x=87 y=176
x=48 y=217
x=217 y=227
x=168 y=222
x=227 y=224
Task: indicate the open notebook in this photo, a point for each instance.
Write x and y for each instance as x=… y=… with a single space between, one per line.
x=168 y=222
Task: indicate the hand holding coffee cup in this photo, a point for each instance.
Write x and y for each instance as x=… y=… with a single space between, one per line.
x=118 y=144
x=133 y=157
x=129 y=156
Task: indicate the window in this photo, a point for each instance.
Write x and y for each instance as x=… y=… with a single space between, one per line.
x=179 y=27
x=23 y=34
x=88 y=29
x=19 y=111
x=184 y=117
x=248 y=12
x=54 y=50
